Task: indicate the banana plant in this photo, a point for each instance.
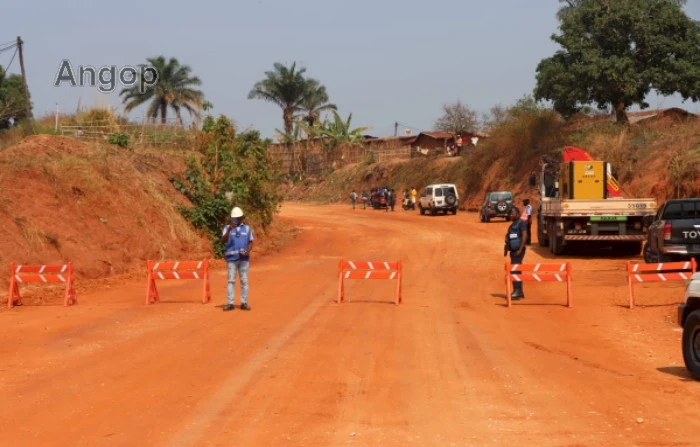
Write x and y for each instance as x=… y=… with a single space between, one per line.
x=338 y=131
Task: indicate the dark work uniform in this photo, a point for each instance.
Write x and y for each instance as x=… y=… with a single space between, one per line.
x=514 y=239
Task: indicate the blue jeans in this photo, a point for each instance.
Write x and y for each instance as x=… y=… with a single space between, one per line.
x=242 y=268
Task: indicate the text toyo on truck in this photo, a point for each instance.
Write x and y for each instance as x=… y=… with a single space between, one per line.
x=580 y=200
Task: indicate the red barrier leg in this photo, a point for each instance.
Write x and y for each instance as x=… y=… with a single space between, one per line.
x=569 y=292
x=399 y=297
x=629 y=284
x=206 y=297
x=14 y=298
x=509 y=284
x=151 y=290
x=70 y=296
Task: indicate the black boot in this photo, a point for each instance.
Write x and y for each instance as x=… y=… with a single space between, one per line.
x=517 y=291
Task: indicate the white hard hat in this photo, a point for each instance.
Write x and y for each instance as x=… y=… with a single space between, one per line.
x=236 y=212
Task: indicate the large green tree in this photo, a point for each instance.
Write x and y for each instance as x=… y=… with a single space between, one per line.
x=12 y=102
x=288 y=88
x=173 y=90
x=614 y=52
x=230 y=169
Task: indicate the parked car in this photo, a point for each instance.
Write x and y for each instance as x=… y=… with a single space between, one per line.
x=689 y=320
x=496 y=204
x=439 y=197
x=674 y=233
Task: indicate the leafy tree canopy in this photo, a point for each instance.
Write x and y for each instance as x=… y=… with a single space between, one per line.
x=230 y=169
x=12 y=102
x=614 y=52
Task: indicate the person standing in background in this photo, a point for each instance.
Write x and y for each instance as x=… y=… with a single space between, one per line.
x=238 y=241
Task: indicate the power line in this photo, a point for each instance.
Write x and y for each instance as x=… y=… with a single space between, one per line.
x=7 y=47
x=407 y=126
x=13 y=58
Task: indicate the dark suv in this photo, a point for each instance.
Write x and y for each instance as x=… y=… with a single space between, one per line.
x=496 y=204
x=674 y=234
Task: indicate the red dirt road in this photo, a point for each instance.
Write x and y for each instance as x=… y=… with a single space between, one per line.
x=450 y=366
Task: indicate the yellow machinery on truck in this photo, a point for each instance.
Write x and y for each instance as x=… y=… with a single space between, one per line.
x=577 y=203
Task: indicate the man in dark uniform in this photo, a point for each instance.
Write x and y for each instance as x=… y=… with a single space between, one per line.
x=515 y=246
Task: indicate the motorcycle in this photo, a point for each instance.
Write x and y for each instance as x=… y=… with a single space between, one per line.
x=408 y=204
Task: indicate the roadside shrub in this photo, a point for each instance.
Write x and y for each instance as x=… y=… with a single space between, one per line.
x=120 y=139
x=228 y=170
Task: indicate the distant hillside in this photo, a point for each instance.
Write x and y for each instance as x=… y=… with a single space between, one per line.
x=655 y=157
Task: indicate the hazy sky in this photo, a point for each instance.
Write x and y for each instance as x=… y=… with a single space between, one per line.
x=385 y=61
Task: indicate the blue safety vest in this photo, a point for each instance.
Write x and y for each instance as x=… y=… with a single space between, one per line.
x=514 y=237
x=239 y=238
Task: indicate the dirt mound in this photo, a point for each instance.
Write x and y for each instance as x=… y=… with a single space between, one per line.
x=102 y=207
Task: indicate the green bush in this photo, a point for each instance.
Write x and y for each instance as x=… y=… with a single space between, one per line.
x=228 y=170
x=120 y=139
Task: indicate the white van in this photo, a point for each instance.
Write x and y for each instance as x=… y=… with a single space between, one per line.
x=439 y=197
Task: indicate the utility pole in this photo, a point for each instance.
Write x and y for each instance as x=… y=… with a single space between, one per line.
x=396 y=128
x=27 y=104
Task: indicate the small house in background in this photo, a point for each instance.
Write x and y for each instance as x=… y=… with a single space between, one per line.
x=386 y=142
x=434 y=140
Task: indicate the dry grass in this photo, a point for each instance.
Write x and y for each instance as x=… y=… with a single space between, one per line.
x=31 y=233
x=654 y=159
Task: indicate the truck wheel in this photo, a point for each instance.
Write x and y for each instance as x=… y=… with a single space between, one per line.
x=502 y=206
x=542 y=240
x=647 y=254
x=691 y=344
x=555 y=242
x=422 y=210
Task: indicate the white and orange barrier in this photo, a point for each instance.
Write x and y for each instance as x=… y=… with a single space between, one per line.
x=665 y=271
x=368 y=270
x=41 y=274
x=177 y=270
x=539 y=273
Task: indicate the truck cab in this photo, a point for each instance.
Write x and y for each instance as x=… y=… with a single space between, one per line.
x=674 y=234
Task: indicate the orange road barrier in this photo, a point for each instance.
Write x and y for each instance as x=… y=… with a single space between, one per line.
x=43 y=274
x=368 y=270
x=539 y=273
x=665 y=271
x=177 y=270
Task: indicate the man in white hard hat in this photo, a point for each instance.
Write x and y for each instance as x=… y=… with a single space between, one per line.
x=238 y=241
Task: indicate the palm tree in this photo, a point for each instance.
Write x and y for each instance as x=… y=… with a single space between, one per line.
x=285 y=87
x=315 y=101
x=288 y=88
x=290 y=138
x=173 y=89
